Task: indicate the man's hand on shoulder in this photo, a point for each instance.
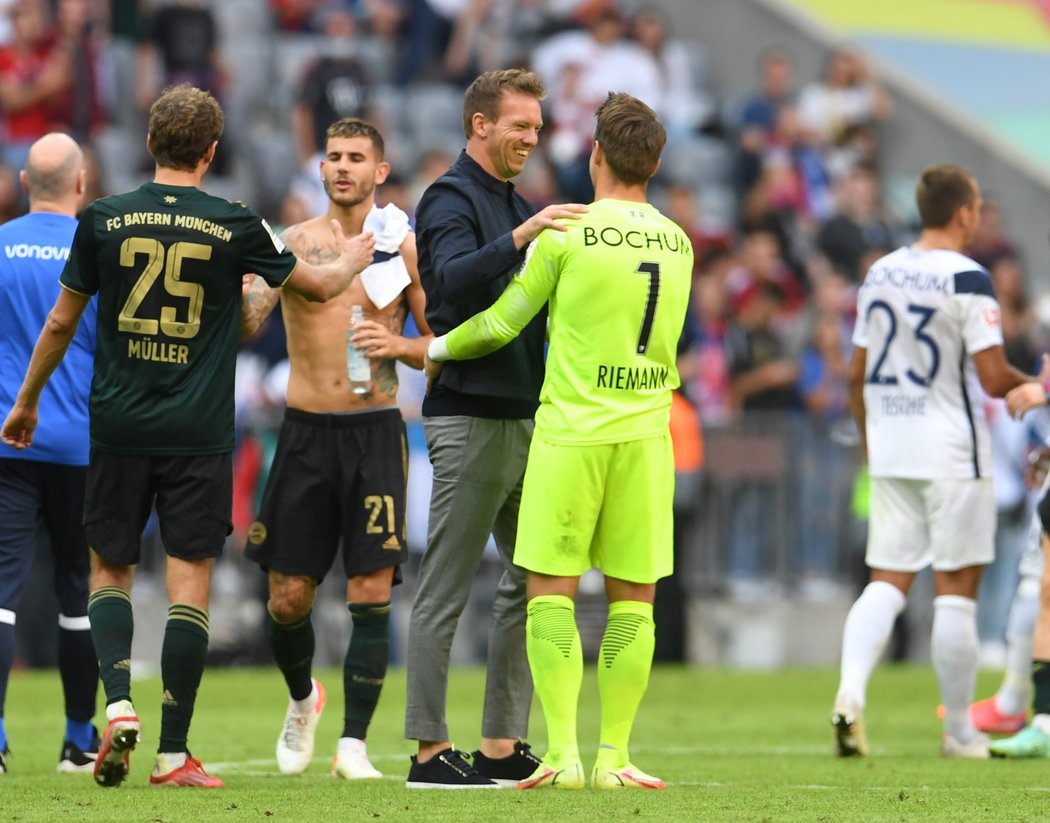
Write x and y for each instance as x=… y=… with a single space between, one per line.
x=547 y=219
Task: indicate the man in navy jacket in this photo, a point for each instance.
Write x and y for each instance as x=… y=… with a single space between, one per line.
x=472 y=229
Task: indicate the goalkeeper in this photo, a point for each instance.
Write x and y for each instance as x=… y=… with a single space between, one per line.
x=600 y=479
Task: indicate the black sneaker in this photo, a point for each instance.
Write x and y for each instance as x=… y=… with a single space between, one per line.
x=448 y=769
x=5 y=755
x=74 y=760
x=507 y=771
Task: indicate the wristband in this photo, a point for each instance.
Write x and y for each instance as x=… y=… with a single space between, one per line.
x=438 y=350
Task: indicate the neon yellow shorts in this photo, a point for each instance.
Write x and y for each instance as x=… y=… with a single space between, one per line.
x=604 y=506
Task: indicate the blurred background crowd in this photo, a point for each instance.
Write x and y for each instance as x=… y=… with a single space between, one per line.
x=780 y=188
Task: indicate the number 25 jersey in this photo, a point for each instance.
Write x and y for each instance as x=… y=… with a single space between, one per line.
x=921 y=314
x=166 y=263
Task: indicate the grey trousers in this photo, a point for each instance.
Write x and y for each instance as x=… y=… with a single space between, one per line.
x=479 y=465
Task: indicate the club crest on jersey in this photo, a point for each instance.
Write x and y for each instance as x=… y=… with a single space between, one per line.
x=991 y=317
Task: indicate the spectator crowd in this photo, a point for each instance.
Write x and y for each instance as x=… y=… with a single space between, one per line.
x=781 y=189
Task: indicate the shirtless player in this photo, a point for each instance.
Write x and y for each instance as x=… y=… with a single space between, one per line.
x=339 y=471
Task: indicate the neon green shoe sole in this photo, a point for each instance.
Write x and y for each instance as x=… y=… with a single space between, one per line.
x=547 y=777
x=629 y=777
x=1030 y=742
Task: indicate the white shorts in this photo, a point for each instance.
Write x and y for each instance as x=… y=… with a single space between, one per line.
x=945 y=523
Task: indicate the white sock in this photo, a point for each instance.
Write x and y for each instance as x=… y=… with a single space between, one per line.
x=1015 y=693
x=307 y=704
x=1042 y=722
x=122 y=708
x=953 y=647
x=169 y=761
x=864 y=637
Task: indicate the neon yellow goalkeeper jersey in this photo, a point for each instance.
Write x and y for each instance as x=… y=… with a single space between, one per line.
x=618 y=285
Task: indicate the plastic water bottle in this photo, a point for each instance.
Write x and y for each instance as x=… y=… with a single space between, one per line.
x=358 y=369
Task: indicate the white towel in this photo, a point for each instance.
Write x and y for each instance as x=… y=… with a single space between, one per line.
x=390 y=226
x=385 y=280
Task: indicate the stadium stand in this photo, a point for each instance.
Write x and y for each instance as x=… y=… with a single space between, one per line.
x=752 y=232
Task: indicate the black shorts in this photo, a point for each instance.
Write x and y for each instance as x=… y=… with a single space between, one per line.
x=334 y=476
x=193 y=496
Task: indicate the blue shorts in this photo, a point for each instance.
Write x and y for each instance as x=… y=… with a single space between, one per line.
x=46 y=497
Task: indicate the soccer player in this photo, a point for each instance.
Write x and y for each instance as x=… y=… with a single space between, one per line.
x=339 y=470
x=1033 y=740
x=1005 y=711
x=45 y=487
x=167 y=262
x=600 y=479
x=472 y=228
x=927 y=339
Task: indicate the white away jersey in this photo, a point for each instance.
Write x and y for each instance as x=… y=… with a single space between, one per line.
x=920 y=315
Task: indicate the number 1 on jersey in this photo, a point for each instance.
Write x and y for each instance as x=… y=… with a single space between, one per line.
x=653 y=270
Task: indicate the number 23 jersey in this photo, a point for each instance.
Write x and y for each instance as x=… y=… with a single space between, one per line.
x=166 y=263
x=921 y=314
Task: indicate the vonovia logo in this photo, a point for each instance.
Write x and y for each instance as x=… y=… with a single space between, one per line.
x=257 y=533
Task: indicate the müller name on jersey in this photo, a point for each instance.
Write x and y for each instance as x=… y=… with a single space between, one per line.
x=158 y=352
x=630 y=378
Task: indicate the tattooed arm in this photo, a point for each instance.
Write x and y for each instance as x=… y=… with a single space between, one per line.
x=320 y=282
x=257 y=302
x=383 y=340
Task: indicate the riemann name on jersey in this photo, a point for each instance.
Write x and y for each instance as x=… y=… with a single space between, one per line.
x=629 y=378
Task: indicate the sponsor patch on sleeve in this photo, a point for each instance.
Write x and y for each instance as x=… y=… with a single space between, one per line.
x=277 y=242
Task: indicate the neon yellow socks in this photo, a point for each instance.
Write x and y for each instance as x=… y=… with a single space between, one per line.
x=556 y=659
x=624 y=662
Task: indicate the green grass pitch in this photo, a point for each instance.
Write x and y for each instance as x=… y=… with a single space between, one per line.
x=732 y=746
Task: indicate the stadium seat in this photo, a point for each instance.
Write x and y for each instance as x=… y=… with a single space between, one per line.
x=695 y=161
x=434 y=111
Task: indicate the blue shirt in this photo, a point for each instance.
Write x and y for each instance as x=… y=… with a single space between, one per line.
x=33 y=250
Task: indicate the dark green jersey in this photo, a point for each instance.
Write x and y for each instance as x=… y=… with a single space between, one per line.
x=166 y=263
